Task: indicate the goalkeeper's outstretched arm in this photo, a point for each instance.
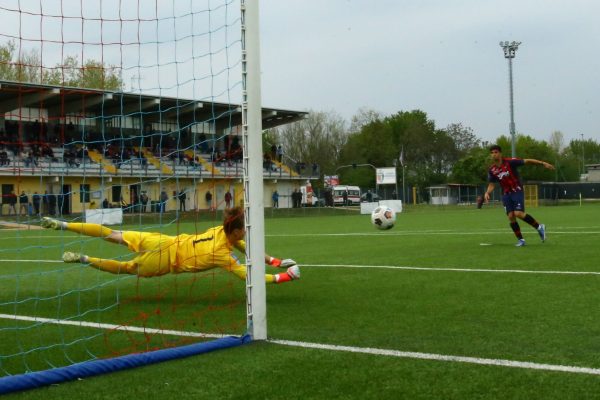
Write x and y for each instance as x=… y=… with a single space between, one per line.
x=240 y=270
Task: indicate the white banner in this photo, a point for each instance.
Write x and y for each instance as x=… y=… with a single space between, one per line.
x=385 y=176
x=104 y=216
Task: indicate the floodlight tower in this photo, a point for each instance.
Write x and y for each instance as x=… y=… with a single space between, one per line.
x=509 y=53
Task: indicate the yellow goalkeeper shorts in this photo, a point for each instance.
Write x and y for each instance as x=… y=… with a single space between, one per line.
x=155 y=252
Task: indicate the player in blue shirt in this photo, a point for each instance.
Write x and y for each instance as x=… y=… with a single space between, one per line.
x=504 y=171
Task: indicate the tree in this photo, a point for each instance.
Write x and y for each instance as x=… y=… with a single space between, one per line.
x=528 y=147
x=557 y=141
x=318 y=138
x=472 y=168
x=429 y=153
x=463 y=137
x=27 y=67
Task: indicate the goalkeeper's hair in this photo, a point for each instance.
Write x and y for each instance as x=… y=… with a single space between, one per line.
x=233 y=218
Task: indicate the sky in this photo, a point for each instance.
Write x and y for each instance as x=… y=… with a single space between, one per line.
x=439 y=56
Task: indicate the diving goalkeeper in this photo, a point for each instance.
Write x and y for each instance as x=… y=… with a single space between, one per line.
x=159 y=254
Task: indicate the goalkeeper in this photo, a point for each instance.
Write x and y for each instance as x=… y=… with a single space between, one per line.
x=159 y=254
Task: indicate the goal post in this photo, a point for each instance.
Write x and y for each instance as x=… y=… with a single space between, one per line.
x=253 y=177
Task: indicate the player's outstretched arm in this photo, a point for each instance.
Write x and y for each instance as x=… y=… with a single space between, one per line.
x=239 y=270
x=545 y=164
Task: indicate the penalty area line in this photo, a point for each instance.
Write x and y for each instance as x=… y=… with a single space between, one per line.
x=441 y=357
x=500 y=271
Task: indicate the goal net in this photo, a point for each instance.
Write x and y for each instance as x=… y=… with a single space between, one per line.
x=133 y=114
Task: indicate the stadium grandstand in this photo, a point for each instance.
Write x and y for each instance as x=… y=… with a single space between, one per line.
x=66 y=143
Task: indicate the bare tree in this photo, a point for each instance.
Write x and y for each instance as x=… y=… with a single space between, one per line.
x=557 y=141
x=318 y=138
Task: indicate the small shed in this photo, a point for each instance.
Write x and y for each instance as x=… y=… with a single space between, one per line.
x=593 y=172
x=453 y=193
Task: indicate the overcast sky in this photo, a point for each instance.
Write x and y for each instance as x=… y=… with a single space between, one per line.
x=440 y=56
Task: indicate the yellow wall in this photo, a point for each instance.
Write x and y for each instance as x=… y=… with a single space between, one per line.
x=102 y=188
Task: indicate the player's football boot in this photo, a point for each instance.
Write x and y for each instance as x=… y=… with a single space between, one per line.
x=542 y=232
x=520 y=243
x=50 y=223
x=71 y=257
x=294 y=272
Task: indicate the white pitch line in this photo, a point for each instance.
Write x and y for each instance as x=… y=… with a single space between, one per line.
x=505 y=271
x=35 y=261
x=416 y=233
x=111 y=326
x=320 y=346
x=442 y=357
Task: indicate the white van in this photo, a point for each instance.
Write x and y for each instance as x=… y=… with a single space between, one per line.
x=353 y=195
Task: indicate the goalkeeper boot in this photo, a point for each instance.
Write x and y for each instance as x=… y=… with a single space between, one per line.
x=542 y=232
x=71 y=257
x=51 y=223
x=294 y=272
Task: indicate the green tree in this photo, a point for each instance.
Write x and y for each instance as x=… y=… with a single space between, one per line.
x=528 y=147
x=429 y=153
x=472 y=168
x=26 y=66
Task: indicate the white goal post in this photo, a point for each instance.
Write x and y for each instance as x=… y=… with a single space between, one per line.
x=253 y=173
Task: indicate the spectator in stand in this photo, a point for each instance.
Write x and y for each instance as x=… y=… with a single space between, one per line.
x=144 y=201
x=280 y=153
x=273 y=151
x=12 y=202
x=52 y=209
x=208 y=198
x=315 y=169
x=182 y=196
x=228 y=199
x=45 y=203
x=164 y=197
x=105 y=203
x=4 y=161
x=37 y=198
x=23 y=203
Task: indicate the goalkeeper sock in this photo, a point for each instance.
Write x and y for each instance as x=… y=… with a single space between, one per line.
x=282 y=277
x=275 y=262
x=96 y=230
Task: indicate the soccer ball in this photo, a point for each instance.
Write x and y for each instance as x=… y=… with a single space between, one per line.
x=383 y=217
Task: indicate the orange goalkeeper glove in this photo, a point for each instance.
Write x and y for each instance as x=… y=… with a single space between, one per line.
x=276 y=262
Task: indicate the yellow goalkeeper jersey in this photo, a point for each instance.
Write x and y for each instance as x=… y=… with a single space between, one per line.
x=208 y=250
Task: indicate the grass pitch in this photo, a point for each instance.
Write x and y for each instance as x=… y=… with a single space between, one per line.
x=444 y=281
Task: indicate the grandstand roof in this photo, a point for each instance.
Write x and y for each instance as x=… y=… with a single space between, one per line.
x=59 y=101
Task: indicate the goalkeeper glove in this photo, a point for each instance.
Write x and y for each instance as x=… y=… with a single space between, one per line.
x=276 y=262
x=293 y=273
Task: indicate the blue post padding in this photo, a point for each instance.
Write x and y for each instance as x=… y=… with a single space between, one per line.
x=96 y=367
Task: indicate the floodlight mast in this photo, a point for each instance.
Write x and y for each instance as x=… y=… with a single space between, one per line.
x=510 y=48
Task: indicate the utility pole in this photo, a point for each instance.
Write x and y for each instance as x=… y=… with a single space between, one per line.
x=509 y=53
x=582 y=155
